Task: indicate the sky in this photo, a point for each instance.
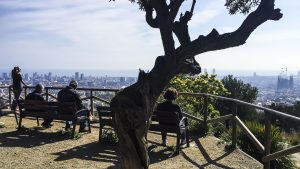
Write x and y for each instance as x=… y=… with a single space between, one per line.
x=98 y=34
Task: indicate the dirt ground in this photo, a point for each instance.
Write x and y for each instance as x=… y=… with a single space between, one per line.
x=35 y=147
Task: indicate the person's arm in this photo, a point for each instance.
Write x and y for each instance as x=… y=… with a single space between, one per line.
x=78 y=101
x=179 y=111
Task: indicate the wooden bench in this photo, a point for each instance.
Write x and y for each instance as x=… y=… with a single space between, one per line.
x=168 y=121
x=5 y=110
x=52 y=110
x=105 y=118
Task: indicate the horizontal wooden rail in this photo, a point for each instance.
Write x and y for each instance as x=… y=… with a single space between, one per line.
x=103 y=100
x=220 y=119
x=281 y=153
x=260 y=147
x=193 y=117
x=243 y=103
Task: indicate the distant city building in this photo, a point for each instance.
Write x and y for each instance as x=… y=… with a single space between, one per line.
x=50 y=76
x=122 y=79
x=283 y=82
x=76 y=75
x=26 y=77
x=254 y=74
x=5 y=76
x=81 y=76
x=213 y=71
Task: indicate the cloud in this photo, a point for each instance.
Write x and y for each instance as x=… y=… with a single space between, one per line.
x=94 y=32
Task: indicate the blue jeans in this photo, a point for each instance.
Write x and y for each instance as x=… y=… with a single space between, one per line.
x=83 y=123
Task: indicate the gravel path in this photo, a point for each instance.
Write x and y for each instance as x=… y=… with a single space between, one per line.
x=50 y=148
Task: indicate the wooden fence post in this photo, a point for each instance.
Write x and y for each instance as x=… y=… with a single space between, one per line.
x=268 y=138
x=47 y=94
x=205 y=110
x=234 y=126
x=9 y=95
x=92 y=102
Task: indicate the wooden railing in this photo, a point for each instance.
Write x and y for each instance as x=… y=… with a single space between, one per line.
x=50 y=96
x=236 y=122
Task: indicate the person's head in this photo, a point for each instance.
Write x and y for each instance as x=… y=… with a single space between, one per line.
x=73 y=84
x=170 y=94
x=39 y=88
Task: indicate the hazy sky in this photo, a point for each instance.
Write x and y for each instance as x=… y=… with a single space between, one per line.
x=98 y=34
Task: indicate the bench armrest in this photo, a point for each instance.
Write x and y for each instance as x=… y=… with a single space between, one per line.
x=184 y=121
x=83 y=110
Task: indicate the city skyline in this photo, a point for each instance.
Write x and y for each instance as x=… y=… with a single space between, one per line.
x=97 y=34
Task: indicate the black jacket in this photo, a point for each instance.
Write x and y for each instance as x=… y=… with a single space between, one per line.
x=68 y=94
x=169 y=106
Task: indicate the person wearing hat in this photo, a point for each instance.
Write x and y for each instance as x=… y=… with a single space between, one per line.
x=69 y=94
x=169 y=105
x=37 y=95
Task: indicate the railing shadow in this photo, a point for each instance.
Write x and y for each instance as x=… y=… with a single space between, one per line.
x=160 y=155
x=91 y=151
x=210 y=162
x=29 y=138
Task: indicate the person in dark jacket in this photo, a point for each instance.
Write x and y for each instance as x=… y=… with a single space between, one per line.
x=169 y=105
x=69 y=94
x=37 y=95
x=17 y=85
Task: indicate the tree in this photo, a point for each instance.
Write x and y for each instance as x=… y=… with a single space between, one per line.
x=134 y=105
x=195 y=105
x=198 y=84
x=241 y=91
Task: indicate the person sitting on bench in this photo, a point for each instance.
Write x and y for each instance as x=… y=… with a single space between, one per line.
x=69 y=94
x=37 y=95
x=169 y=105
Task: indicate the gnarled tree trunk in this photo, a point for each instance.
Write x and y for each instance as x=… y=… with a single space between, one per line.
x=134 y=105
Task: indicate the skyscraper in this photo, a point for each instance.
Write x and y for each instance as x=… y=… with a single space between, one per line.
x=76 y=75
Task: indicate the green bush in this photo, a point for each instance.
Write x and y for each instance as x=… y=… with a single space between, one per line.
x=277 y=144
x=292 y=139
x=203 y=83
x=109 y=137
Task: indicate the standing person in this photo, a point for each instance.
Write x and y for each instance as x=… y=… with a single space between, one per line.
x=37 y=95
x=169 y=105
x=69 y=94
x=17 y=86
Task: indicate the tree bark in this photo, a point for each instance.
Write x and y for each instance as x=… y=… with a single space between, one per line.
x=133 y=106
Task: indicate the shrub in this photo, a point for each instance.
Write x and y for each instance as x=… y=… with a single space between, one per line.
x=109 y=137
x=258 y=130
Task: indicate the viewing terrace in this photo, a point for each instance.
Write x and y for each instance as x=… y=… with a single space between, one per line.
x=205 y=152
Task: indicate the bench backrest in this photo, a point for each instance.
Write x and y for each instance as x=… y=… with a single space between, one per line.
x=166 y=117
x=105 y=116
x=104 y=111
x=46 y=106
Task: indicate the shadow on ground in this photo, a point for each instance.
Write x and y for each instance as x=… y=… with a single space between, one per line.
x=28 y=138
x=91 y=151
x=209 y=161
